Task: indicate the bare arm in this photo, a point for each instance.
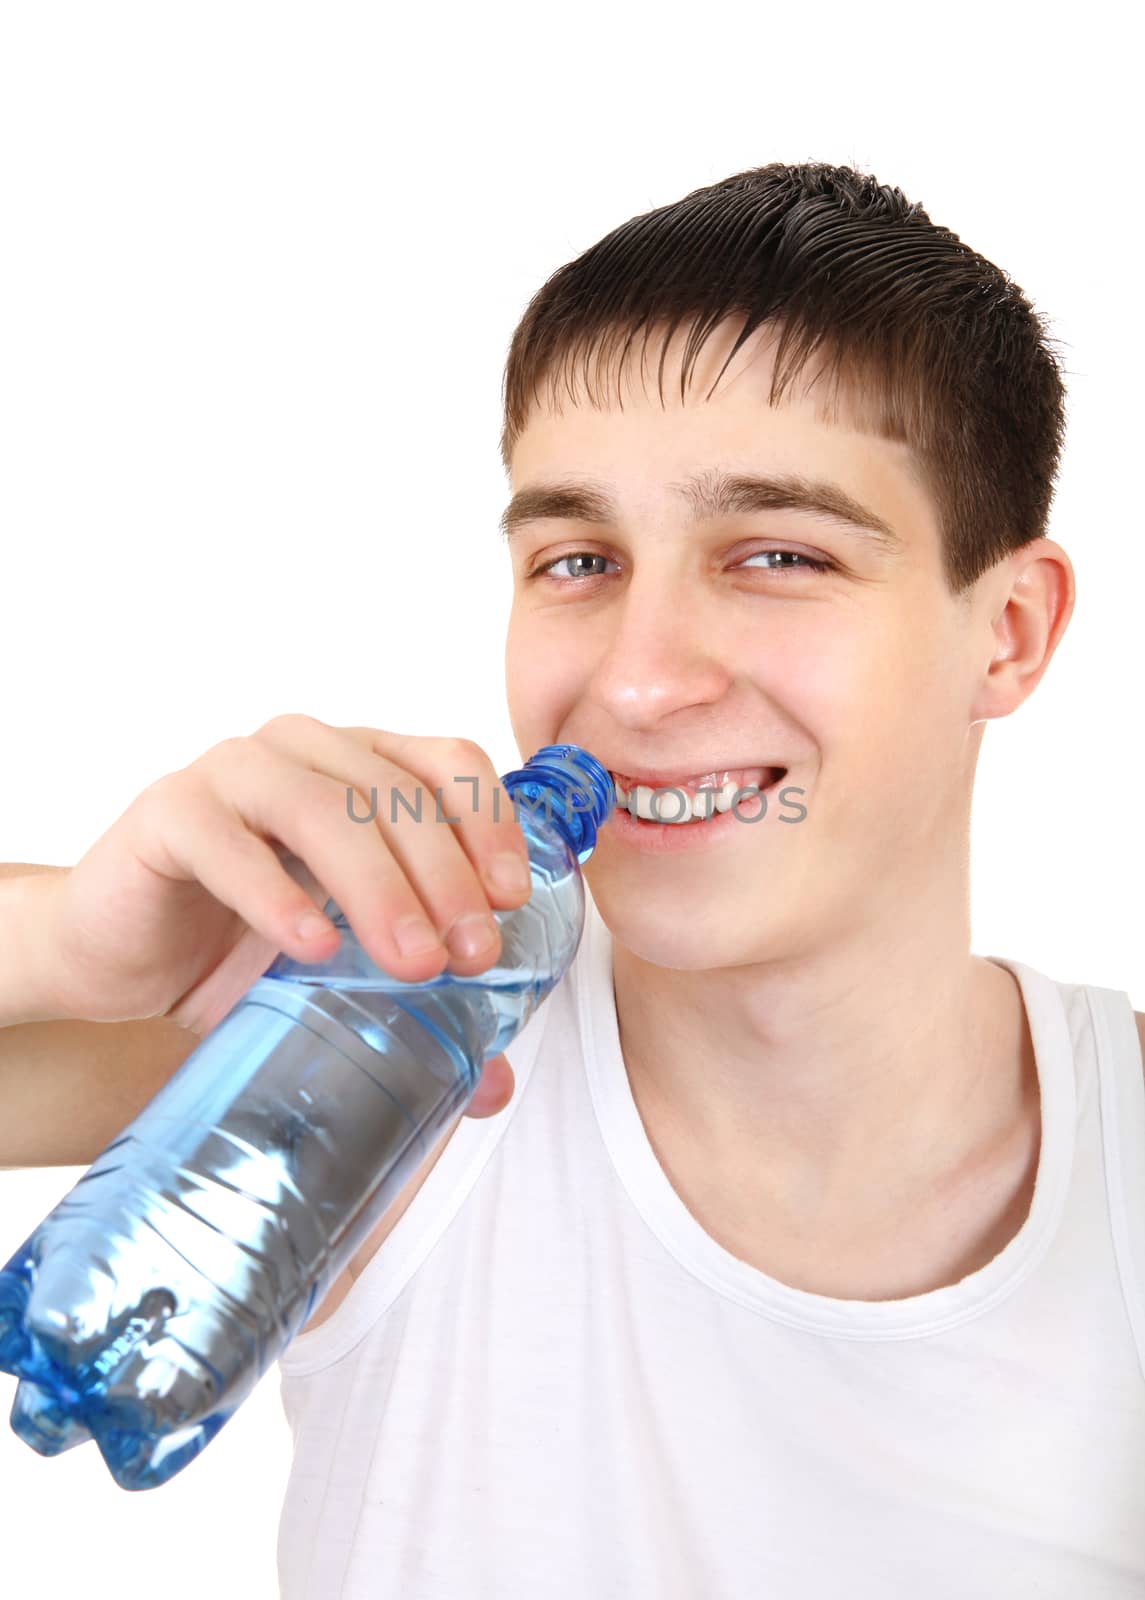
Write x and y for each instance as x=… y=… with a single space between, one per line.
x=67 y=1087
x=24 y=890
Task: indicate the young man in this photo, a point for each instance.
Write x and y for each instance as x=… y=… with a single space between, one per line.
x=808 y=1256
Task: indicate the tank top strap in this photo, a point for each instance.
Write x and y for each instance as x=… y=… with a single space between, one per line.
x=1121 y=1089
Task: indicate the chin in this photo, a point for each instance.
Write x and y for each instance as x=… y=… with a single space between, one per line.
x=702 y=938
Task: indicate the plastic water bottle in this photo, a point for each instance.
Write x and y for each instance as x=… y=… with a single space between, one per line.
x=147 y=1305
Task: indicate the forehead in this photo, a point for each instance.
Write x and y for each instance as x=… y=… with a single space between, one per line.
x=634 y=428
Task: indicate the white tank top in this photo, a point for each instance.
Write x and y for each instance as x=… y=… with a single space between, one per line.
x=551 y=1383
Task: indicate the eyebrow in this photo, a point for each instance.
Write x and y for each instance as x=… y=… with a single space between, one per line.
x=710 y=494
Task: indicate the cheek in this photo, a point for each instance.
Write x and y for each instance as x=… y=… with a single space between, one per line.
x=875 y=689
x=523 y=651
x=898 y=727
x=830 y=679
x=541 y=684
x=877 y=660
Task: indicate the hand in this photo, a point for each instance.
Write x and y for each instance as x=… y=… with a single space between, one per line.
x=189 y=895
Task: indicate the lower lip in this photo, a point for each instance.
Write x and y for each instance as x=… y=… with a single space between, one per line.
x=665 y=837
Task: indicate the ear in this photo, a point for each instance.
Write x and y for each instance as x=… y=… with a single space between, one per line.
x=1027 y=601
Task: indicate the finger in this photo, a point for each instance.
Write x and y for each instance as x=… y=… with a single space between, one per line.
x=494 y=1089
x=437 y=824
x=240 y=869
x=470 y=789
x=245 y=783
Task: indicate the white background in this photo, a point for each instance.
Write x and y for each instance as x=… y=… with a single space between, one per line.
x=260 y=267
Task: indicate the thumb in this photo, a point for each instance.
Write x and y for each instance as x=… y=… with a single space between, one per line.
x=494 y=1088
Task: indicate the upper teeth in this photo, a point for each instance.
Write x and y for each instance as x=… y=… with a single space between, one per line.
x=690 y=798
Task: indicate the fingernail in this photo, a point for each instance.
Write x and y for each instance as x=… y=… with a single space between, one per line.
x=413 y=936
x=509 y=874
x=471 y=935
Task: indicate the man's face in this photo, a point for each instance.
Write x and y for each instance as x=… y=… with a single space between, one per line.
x=681 y=648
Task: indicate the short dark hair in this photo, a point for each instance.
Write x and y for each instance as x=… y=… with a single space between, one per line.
x=928 y=342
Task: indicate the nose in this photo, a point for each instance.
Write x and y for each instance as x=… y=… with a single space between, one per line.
x=659 y=657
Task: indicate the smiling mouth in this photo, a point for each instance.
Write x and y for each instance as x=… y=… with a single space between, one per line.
x=693 y=799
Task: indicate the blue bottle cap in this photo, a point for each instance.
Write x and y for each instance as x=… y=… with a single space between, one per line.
x=581 y=791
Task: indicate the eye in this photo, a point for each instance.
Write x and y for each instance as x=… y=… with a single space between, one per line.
x=574 y=555
x=810 y=563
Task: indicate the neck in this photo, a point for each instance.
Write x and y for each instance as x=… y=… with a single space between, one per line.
x=858 y=1075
